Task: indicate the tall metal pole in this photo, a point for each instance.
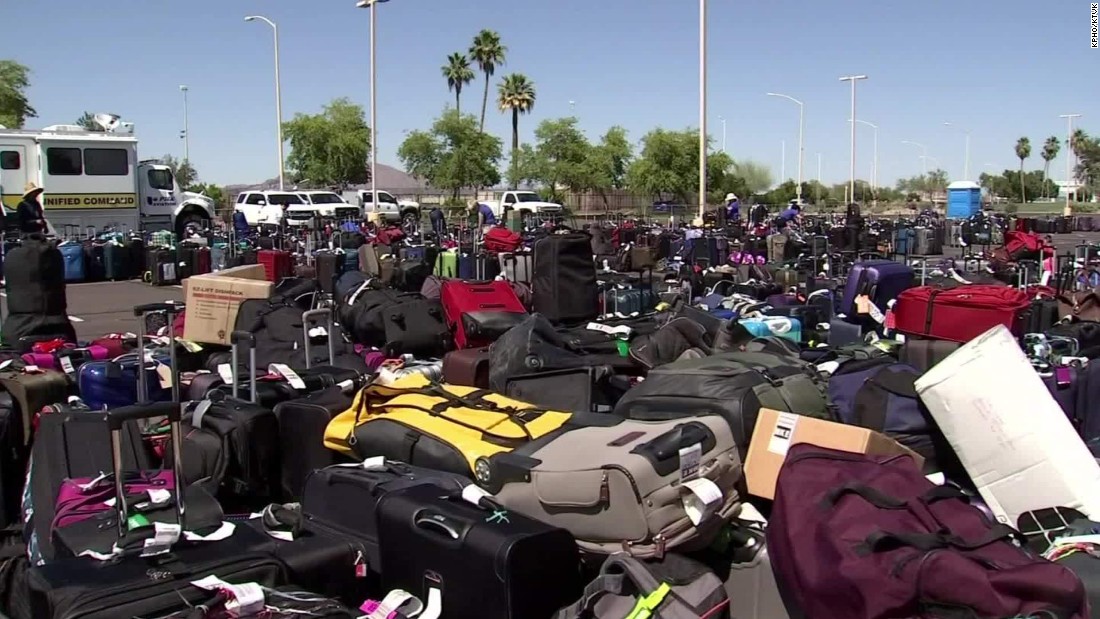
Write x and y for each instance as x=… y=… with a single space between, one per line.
x=852 y=164
x=702 y=109
x=966 y=159
x=801 y=125
x=1069 y=158
x=924 y=153
x=186 y=129
x=817 y=190
x=373 y=115
x=278 y=97
x=723 y=119
x=782 y=161
x=874 y=165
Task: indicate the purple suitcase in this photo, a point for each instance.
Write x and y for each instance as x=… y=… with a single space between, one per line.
x=882 y=280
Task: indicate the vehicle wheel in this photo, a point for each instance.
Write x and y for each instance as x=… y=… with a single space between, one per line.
x=410 y=223
x=190 y=224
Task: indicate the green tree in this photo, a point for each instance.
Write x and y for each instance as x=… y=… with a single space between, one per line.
x=458 y=74
x=1087 y=150
x=186 y=176
x=454 y=154
x=1023 y=151
x=88 y=123
x=756 y=176
x=330 y=148
x=212 y=191
x=488 y=52
x=1033 y=184
x=522 y=167
x=516 y=93
x=667 y=166
x=562 y=155
x=14 y=107
x=608 y=162
x=937 y=181
x=1050 y=151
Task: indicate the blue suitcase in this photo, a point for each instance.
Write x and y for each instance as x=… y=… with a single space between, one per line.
x=881 y=280
x=629 y=301
x=904 y=241
x=113 y=384
x=351 y=262
x=73 y=255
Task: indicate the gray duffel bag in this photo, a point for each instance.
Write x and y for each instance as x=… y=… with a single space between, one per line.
x=693 y=590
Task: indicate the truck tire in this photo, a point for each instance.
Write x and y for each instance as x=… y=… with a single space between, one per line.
x=410 y=222
x=189 y=222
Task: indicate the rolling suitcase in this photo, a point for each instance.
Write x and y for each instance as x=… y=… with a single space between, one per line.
x=960 y=314
x=330 y=266
x=73 y=254
x=446 y=264
x=94 y=268
x=468 y=367
x=302 y=424
x=14 y=452
x=881 y=280
x=564 y=282
x=480 y=312
x=117 y=263
x=924 y=354
x=482 y=561
x=517 y=267
x=162 y=267
x=277 y=264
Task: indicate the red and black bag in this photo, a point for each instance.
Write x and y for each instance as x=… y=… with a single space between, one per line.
x=960 y=314
x=502 y=240
x=480 y=312
x=1020 y=245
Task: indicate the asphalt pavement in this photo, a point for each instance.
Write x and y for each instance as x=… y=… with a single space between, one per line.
x=107 y=307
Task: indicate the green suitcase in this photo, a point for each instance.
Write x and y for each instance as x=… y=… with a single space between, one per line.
x=446 y=264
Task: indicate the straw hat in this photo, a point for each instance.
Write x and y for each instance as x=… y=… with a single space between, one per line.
x=31 y=190
x=730 y=197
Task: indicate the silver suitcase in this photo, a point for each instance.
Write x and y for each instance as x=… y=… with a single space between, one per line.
x=751 y=584
x=517 y=267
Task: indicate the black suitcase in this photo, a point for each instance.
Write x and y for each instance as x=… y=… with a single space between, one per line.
x=117 y=262
x=344 y=500
x=330 y=265
x=564 y=281
x=150 y=587
x=162 y=266
x=13 y=461
x=34 y=275
x=302 y=424
x=483 y=561
x=95 y=268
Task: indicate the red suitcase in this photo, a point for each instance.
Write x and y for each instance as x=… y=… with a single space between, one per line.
x=480 y=312
x=202 y=261
x=960 y=314
x=468 y=367
x=277 y=264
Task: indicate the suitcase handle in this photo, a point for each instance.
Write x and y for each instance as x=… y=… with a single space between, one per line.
x=308 y=319
x=235 y=339
x=118 y=417
x=150 y=308
x=170 y=310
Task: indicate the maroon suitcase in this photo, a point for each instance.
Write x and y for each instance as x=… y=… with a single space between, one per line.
x=960 y=314
x=468 y=367
x=276 y=263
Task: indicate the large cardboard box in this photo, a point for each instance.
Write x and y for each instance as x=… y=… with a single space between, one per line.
x=1014 y=440
x=213 y=301
x=776 y=431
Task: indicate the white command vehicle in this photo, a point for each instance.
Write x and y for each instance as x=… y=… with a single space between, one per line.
x=389 y=208
x=94 y=179
x=324 y=204
x=524 y=202
x=267 y=207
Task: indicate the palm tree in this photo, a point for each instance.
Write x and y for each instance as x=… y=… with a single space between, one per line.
x=488 y=52
x=516 y=93
x=1050 y=151
x=1023 y=151
x=458 y=74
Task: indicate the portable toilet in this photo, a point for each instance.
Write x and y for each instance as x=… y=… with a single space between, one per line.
x=964 y=198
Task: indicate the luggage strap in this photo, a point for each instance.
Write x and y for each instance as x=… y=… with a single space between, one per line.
x=871 y=400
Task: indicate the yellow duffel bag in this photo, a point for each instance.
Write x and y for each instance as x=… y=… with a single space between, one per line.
x=442 y=427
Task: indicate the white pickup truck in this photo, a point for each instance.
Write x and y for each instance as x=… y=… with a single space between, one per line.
x=391 y=209
x=524 y=202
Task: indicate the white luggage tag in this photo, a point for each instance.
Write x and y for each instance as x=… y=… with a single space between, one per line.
x=701 y=500
x=225 y=371
x=290 y=375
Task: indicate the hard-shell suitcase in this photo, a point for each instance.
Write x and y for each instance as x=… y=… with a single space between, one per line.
x=117 y=261
x=517 y=267
x=750 y=584
x=481 y=561
x=330 y=265
x=630 y=472
x=480 y=312
x=162 y=266
x=468 y=367
x=960 y=314
x=343 y=500
x=880 y=280
x=73 y=254
x=277 y=264
x=446 y=264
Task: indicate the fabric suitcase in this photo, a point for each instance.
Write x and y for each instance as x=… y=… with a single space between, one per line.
x=14 y=453
x=517 y=267
x=343 y=500
x=959 y=314
x=881 y=280
x=302 y=424
x=924 y=354
x=777 y=248
x=628 y=470
x=31 y=393
x=151 y=587
x=94 y=268
x=468 y=367
x=116 y=262
x=34 y=278
x=330 y=265
x=564 y=281
x=587 y=389
x=442 y=427
x=484 y=565
x=73 y=255
x=733 y=385
x=162 y=266
x=480 y=312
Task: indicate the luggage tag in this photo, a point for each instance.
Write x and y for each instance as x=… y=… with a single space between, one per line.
x=290 y=375
x=395 y=601
x=164 y=537
x=225 y=371
x=690 y=457
x=702 y=499
x=1063 y=376
x=67 y=365
x=164 y=373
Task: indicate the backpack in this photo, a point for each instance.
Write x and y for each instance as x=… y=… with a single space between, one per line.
x=869 y=537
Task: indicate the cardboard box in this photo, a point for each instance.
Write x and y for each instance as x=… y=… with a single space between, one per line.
x=213 y=301
x=776 y=431
x=1010 y=434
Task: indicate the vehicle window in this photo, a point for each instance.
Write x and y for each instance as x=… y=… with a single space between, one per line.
x=241 y=197
x=527 y=197
x=161 y=179
x=9 y=160
x=509 y=199
x=284 y=199
x=386 y=197
x=325 y=198
x=256 y=198
x=64 y=162
x=106 y=162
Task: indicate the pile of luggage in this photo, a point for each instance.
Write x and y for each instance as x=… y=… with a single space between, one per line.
x=618 y=422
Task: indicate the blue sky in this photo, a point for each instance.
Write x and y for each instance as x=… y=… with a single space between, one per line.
x=1002 y=69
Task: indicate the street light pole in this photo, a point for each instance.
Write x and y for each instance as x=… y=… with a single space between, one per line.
x=373 y=102
x=723 y=119
x=924 y=153
x=801 y=125
x=782 y=161
x=702 y=109
x=186 y=129
x=1069 y=157
x=874 y=167
x=852 y=170
x=817 y=190
x=278 y=96
x=966 y=160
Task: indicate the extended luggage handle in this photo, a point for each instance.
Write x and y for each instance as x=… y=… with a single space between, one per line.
x=235 y=339
x=170 y=310
x=308 y=319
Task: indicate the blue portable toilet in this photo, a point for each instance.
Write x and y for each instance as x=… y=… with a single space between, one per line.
x=964 y=199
